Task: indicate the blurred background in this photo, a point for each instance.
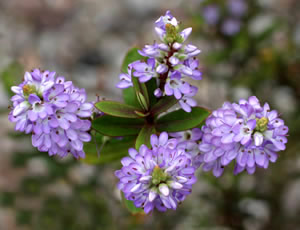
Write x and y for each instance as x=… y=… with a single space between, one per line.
x=248 y=48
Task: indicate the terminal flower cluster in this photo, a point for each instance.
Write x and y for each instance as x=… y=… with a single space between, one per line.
x=169 y=62
x=53 y=111
x=159 y=177
x=246 y=132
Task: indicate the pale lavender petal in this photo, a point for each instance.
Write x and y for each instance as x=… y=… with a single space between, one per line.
x=186 y=33
x=162 y=68
x=258 y=138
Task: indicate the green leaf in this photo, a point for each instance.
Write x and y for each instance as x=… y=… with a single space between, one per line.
x=131 y=207
x=151 y=87
x=117 y=109
x=142 y=114
x=130 y=98
x=143 y=101
x=129 y=95
x=112 y=150
x=12 y=75
x=141 y=93
x=117 y=126
x=144 y=136
x=131 y=56
x=180 y=120
x=163 y=105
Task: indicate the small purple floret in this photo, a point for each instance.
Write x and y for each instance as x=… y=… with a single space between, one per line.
x=144 y=70
x=189 y=141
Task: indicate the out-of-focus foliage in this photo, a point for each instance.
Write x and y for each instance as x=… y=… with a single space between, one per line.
x=11 y=76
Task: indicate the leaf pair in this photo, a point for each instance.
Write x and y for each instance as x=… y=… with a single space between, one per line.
x=114 y=125
x=141 y=114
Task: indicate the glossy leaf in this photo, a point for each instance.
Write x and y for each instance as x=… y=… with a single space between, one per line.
x=142 y=114
x=140 y=89
x=131 y=207
x=151 y=87
x=163 y=105
x=143 y=101
x=130 y=98
x=117 y=126
x=180 y=120
x=144 y=136
x=129 y=95
x=112 y=150
x=117 y=109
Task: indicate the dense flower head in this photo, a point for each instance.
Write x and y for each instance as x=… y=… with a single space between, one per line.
x=169 y=62
x=246 y=132
x=159 y=177
x=53 y=110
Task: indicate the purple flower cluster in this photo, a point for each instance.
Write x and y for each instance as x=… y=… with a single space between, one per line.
x=169 y=62
x=230 y=25
x=160 y=177
x=245 y=132
x=52 y=109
